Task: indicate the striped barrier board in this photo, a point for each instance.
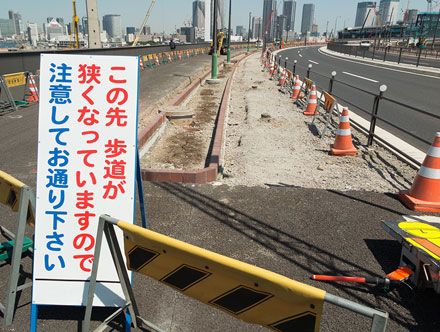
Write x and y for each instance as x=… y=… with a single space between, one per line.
x=242 y=290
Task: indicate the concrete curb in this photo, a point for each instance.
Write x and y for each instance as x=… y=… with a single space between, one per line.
x=198 y=176
x=429 y=71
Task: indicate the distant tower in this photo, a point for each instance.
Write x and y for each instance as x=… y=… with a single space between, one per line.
x=308 y=16
x=289 y=10
x=363 y=9
x=389 y=10
x=269 y=18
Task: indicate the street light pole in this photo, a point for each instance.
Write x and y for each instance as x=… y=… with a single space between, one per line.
x=229 y=33
x=249 y=31
x=214 y=62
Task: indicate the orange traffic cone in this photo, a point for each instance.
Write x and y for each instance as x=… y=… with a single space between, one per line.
x=424 y=194
x=312 y=103
x=296 y=88
x=141 y=64
x=272 y=69
x=282 y=80
x=344 y=142
x=180 y=56
x=31 y=95
x=156 y=60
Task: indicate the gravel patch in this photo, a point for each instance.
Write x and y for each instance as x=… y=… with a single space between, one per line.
x=269 y=142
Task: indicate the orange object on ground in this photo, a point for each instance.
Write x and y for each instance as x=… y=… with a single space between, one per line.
x=282 y=80
x=296 y=88
x=343 y=145
x=31 y=95
x=424 y=194
x=401 y=274
x=312 y=103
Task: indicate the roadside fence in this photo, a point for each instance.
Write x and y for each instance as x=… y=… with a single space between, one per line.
x=404 y=55
x=376 y=108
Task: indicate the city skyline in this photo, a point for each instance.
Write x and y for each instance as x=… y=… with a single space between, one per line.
x=182 y=12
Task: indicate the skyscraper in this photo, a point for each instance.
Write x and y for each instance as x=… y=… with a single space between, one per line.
x=289 y=10
x=280 y=26
x=198 y=14
x=257 y=28
x=269 y=18
x=308 y=16
x=112 y=24
x=363 y=9
x=16 y=18
x=389 y=10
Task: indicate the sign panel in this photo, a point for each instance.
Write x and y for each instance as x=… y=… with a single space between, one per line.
x=15 y=79
x=242 y=290
x=87 y=145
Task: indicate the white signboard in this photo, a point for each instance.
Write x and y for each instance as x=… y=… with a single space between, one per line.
x=87 y=145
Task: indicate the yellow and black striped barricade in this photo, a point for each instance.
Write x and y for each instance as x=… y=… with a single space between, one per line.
x=7 y=81
x=242 y=290
x=19 y=197
x=324 y=112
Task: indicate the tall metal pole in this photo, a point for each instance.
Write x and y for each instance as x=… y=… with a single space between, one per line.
x=249 y=32
x=229 y=33
x=214 y=62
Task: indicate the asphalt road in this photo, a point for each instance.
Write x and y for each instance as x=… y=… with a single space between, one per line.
x=411 y=89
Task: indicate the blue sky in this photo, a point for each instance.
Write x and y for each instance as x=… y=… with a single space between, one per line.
x=169 y=14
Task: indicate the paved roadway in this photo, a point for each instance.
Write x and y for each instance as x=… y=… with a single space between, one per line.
x=292 y=231
x=409 y=88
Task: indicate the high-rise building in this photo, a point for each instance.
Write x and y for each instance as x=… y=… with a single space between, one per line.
x=85 y=25
x=146 y=30
x=269 y=19
x=364 y=9
x=198 y=14
x=16 y=18
x=54 y=30
x=240 y=31
x=7 y=27
x=308 y=17
x=32 y=31
x=130 y=30
x=389 y=10
x=257 y=28
x=289 y=10
x=410 y=16
x=280 y=26
x=112 y=24
x=209 y=17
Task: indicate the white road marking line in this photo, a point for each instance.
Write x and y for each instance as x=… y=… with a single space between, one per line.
x=316 y=63
x=300 y=56
x=364 y=78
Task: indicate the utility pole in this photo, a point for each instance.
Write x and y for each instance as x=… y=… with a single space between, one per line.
x=229 y=33
x=93 y=24
x=249 y=32
x=214 y=61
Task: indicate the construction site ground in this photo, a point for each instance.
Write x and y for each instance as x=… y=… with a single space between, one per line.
x=284 y=227
x=185 y=142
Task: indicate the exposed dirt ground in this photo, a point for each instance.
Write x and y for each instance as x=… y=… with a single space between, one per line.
x=270 y=142
x=185 y=143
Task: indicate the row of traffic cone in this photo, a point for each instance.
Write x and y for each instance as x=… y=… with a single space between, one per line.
x=424 y=194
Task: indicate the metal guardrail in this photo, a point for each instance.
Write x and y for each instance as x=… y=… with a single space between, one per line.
x=404 y=55
x=374 y=113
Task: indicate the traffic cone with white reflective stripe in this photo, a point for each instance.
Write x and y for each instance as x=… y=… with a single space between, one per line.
x=424 y=194
x=282 y=80
x=31 y=95
x=141 y=64
x=296 y=88
x=343 y=145
x=312 y=103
